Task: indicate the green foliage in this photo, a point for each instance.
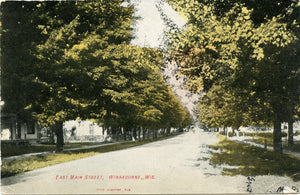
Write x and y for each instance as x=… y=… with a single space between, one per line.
x=262 y=9
x=81 y=67
x=72 y=68
x=248 y=71
x=18 y=35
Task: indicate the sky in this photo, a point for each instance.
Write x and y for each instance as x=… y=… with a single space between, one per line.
x=149 y=31
x=149 y=27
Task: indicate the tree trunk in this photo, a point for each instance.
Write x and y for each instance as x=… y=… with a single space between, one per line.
x=290 y=135
x=139 y=133
x=18 y=126
x=51 y=136
x=124 y=133
x=113 y=132
x=168 y=130
x=103 y=130
x=143 y=131
x=118 y=134
x=134 y=134
x=109 y=131
x=277 y=142
x=58 y=129
x=155 y=133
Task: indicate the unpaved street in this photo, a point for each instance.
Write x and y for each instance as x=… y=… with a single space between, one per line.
x=175 y=165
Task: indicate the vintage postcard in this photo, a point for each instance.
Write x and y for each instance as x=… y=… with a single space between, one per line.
x=150 y=97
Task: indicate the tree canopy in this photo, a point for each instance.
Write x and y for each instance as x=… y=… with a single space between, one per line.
x=72 y=59
x=247 y=65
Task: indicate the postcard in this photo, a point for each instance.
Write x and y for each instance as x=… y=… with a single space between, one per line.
x=150 y=97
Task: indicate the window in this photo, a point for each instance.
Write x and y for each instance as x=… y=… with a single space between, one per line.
x=30 y=128
x=91 y=129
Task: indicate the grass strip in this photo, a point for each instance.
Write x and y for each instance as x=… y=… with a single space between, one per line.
x=20 y=166
x=253 y=160
x=267 y=138
x=8 y=150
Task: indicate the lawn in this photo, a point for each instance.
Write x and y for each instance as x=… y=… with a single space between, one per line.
x=29 y=164
x=7 y=150
x=253 y=160
x=267 y=138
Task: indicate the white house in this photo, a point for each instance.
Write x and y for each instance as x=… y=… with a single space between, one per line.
x=83 y=131
x=12 y=129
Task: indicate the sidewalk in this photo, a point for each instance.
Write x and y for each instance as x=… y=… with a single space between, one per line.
x=242 y=139
x=23 y=156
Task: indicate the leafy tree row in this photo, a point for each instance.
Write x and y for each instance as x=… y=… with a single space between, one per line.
x=247 y=65
x=72 y=61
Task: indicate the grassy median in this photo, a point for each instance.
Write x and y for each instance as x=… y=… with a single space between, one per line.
x=253 y=160
x=20 y=166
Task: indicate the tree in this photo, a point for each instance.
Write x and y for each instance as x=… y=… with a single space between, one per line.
x=61 y=70
x=137 y=94
x=18 y=37
x=238 y=55
x=72 y=65
x=83 y=68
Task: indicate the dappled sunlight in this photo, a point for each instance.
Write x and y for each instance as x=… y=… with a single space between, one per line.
x=254 y=161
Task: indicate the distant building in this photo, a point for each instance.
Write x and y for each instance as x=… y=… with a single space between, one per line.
x=15 y=132
x=83 y=131
x=12 y=129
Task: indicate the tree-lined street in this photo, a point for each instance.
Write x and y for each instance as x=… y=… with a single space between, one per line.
x=142 y=69
x=177 y=165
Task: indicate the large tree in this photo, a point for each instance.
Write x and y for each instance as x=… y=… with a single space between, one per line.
x=71 y=66
x=18 y=38
x=83 y=68
x=250 y=63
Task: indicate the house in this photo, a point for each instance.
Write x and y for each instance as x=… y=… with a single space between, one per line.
x=83 y=131
x=16 y=132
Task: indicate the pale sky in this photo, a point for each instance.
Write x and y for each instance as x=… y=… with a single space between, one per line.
x=149 y=28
